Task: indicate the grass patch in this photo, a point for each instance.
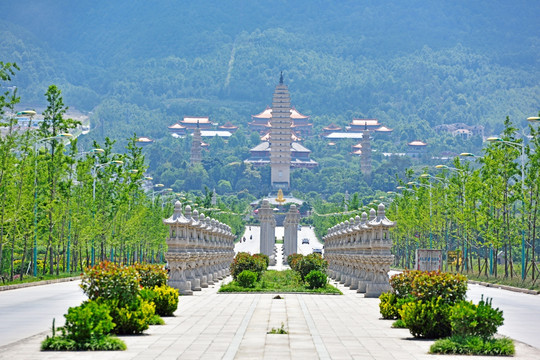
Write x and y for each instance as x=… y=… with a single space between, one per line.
x=514 y=281
x=279 y=281
x=399 y=324
x=30 y=279
x=281 y=330
x=473 y=345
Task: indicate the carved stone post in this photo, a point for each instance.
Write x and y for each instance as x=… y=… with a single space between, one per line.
x=177 y=255
x=268 y=230
x=290 y=239
x=380 y=254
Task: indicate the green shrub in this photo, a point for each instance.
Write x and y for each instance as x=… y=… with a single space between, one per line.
x=107 y=280
x=391 y=304
x=107 y=343
x=246 y=279
x=473 y=345
x=90 y=320
x=87 y=327
x=164 y=297
x=399 y=324
x=151 y=275
x=449 y=287
x=311 y=262
x=132 y=318
x=264 y=257
x=387 y=306
x=244 y=261
x=294 y=260
x=402 y=283
x=468 y=319
x=316 y=279
x=156 y=320
x=427 y=318
x=166 y=300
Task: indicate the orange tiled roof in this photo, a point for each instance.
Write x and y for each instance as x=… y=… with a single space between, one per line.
x=267 y=114
x=417 y=143
x=228 y=125
x=145 y=140
x=384 y=129
x=332 y=126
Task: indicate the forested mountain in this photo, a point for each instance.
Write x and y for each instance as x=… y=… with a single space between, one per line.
x=140 y=66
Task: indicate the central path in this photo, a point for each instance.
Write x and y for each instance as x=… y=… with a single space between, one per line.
x=209 y=325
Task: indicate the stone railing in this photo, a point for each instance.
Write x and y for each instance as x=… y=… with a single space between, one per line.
x=200 y=250
x=358 y=252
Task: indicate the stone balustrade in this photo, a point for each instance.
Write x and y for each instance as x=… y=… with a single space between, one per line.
x=200 y=250
x=358 y=252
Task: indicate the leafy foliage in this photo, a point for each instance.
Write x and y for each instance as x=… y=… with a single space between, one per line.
x=279 y=281
x=151 y=275
x=87 y=328
x=473 y=345
x=246 y=279
x=311 y=262
x=164 y=297
x=109 y=281
x=427 y=318
x=449 y=287
x=131 y=318
x=244 y=261
x=316 y=279
x=87 y=321
x=482 y=320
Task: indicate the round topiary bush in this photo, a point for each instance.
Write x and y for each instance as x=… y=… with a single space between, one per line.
x=246 y=279
x=316 y=279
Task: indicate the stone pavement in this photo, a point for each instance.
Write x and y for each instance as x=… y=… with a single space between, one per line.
x=209 y=325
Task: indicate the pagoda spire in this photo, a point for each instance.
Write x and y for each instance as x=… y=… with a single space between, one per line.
x=280 y=137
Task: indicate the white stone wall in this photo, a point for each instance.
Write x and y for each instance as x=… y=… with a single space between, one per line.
x=200 y=250
x=358 y=252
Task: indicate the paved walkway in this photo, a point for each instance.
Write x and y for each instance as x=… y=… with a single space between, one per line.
x=209 y=325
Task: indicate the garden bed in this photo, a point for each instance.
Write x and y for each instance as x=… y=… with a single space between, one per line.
x=272 y=281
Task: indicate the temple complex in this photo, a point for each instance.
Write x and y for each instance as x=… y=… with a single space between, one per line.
x=281 y=150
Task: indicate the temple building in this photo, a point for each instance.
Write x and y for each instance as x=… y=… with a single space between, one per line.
x=144 y=141
x=260 y=155
x=330 y=129
x=361 y=124
x=228 y=126
x=416 y=148
x=355 y=129
x=189 y=123
x=280 y=150
x=299 y=122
